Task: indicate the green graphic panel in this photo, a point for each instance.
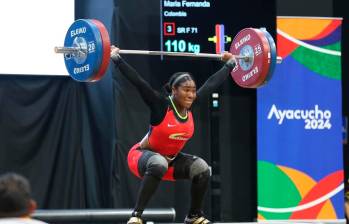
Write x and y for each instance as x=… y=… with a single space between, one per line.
x=321 y=63
x=275 y=190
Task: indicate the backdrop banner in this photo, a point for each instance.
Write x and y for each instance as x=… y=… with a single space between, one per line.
x=299 y=124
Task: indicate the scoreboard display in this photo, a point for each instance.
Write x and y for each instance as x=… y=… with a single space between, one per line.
x=194 y=26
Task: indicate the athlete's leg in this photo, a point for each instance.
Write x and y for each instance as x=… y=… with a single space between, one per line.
x=151 y=167
x=192 y=167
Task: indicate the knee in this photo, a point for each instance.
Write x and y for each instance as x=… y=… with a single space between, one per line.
x=156 y=166
x=199 y=169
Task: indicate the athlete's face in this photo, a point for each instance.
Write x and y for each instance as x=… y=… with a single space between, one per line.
x=185 y=94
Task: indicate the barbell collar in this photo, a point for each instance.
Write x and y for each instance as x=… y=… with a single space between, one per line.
x=68 y=50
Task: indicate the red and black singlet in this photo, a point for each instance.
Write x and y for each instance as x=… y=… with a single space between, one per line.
x=168 y=132
x=169 y=137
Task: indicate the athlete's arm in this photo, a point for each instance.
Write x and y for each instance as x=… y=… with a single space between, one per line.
x=217 y=78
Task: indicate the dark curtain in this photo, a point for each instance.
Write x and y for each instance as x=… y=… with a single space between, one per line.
x=50 y=133
x=60 y=133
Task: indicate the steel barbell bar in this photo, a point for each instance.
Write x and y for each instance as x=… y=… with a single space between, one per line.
x=74 y=50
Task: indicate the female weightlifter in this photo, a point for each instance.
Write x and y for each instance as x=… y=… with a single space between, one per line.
x=158 y=155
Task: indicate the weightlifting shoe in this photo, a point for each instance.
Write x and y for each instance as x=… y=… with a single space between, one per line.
x=196 y=219
x=135 y=220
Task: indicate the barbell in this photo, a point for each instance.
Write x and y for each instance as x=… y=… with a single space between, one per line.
x=87 y=50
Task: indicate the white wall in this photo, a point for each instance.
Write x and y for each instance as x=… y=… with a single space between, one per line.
x=29 y=31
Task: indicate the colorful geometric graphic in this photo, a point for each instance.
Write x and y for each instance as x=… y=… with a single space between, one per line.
x=299 y=126
x=305 y=198
x=311 y=45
